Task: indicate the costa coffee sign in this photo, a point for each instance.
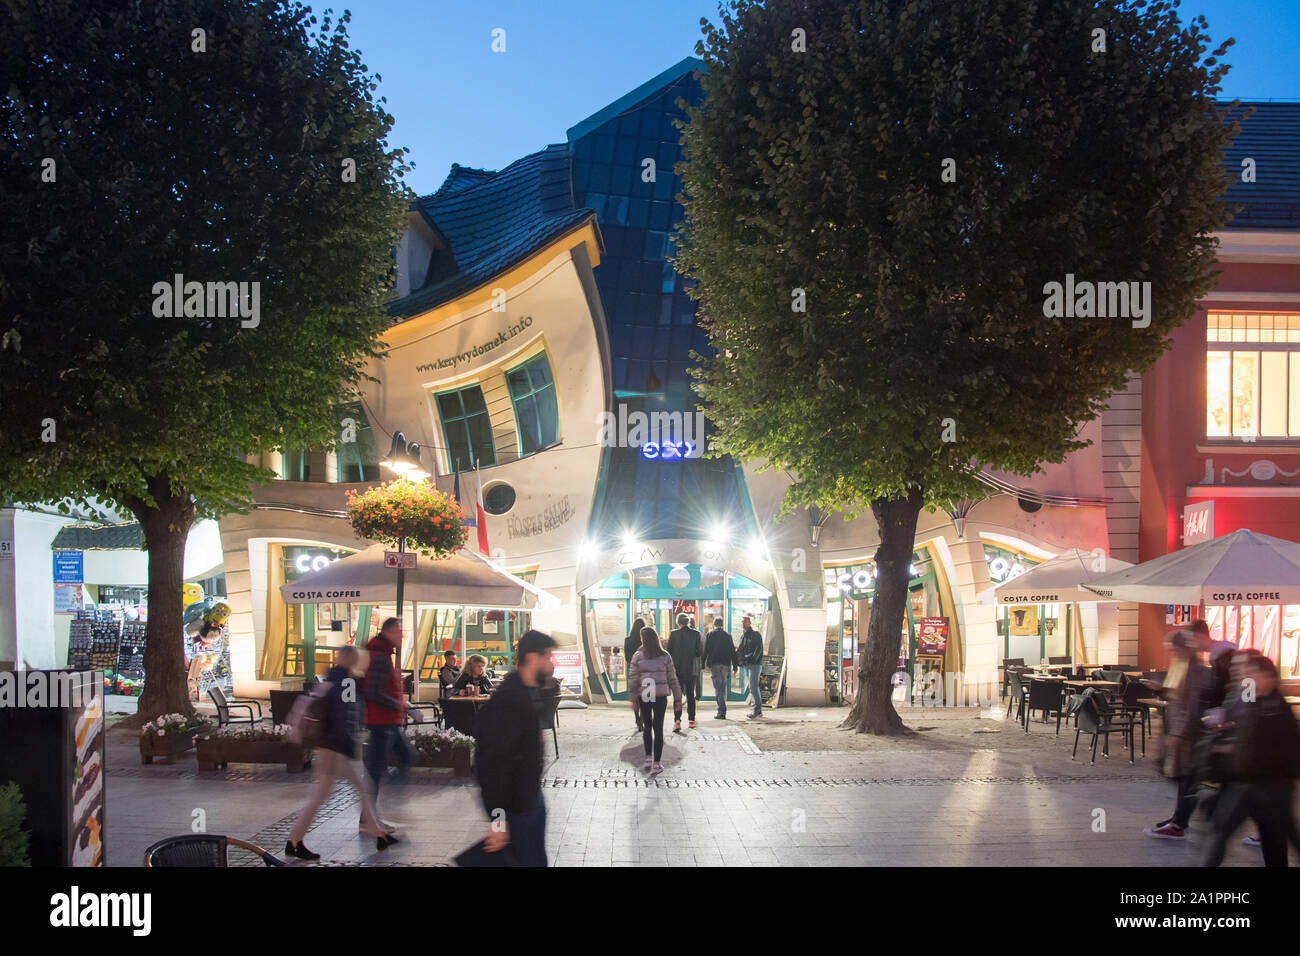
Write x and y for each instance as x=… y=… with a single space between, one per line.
x=1198 y=523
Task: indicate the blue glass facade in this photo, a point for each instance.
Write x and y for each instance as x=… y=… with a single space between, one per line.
x=651 y=320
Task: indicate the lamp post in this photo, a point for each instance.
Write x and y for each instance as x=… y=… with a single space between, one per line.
x=403 y=459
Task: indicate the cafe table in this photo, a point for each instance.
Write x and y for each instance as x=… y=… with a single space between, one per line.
x=1092 y=683
x=459 y=713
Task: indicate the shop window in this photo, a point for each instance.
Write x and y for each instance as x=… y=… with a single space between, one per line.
x=297 y=466
x=466 y=429
x=532 y=390
x=1252 y=390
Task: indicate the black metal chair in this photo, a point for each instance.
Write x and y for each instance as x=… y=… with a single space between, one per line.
x=202 y=850
x=551 y=718
x=1048 y=697
x=225 y=704
x=1059 y=660
x=1094 y=716
x=1130 y=703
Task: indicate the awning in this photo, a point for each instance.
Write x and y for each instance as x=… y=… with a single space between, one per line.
x=461 y=580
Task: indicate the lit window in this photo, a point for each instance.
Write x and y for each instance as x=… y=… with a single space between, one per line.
x=1252 y=391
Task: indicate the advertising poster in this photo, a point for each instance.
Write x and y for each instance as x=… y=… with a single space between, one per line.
x=568 y=670
x=1024 y=620
x=931 y=636
x=67 y=598
x=86 y=775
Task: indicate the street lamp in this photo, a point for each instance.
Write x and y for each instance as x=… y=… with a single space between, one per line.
x=403 y=459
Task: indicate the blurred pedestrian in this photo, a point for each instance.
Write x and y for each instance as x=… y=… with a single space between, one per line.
x=336 y=756
x=508 y=758
x=751 y=659
x=686 y=648
x=1187 y=685
x=386 y=706
x=630 y=647
x=1263 y=760
x=720 y=659
x=652 y=677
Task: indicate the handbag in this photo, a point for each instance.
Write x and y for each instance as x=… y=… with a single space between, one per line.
x=477 y=855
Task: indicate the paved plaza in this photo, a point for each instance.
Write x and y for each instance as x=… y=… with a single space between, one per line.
x=940 y=798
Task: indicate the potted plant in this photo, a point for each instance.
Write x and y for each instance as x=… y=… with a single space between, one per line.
x=412 y=512
x=169 y=735
x=250 y=745
x=436 y=747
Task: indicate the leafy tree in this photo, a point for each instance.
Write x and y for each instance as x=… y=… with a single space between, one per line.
x=920 y=170
x=212 y=139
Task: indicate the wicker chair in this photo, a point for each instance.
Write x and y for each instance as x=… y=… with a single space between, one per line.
x=202 y=850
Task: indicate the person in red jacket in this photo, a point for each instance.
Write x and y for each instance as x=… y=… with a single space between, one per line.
x=386 y=705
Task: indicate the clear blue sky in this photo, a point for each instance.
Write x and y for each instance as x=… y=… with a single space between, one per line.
x=457 y=101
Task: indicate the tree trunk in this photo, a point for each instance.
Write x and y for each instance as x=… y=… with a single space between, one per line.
x=166 y=525
x=873 y=708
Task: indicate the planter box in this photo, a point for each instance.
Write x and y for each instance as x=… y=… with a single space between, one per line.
x=169 y=747
x=460 y=760
x=215 y=752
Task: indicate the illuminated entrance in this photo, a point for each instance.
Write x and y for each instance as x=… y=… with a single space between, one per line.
x=657 y=593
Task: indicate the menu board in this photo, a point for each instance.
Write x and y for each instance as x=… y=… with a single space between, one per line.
x=931 y=636
x=568 y=670
x=129 y=671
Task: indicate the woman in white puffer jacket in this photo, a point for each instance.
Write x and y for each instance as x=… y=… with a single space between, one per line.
x=650 y=677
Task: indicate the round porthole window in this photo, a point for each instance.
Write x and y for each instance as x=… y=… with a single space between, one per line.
x=498 y=498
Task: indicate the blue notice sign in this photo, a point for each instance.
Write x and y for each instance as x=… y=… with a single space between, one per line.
x=68 y=567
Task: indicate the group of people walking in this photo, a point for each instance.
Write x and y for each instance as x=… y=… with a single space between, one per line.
x=508 y=752
x=654 y=672
x=1228 y=723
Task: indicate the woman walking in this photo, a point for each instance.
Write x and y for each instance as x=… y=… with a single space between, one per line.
x=650 y=677
x=336 y=757
x=630 y=647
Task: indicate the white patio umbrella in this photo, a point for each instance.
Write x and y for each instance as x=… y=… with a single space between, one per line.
x=1059 y=580
x=461 y=580
x=1244 y=567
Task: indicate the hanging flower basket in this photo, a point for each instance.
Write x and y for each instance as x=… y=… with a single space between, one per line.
x=418 y=513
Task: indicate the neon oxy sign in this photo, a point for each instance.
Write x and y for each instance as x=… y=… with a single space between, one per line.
x=667 y=450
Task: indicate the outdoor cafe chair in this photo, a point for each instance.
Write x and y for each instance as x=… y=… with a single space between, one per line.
x=1095 y=717
x=1134 y=692
x=551 y=718
x=225 y=704
x=1046 y=696
x=1007 y=664
x=1019 y=691
x=202 y=850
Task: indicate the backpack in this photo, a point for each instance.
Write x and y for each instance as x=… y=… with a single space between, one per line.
x=309 y=716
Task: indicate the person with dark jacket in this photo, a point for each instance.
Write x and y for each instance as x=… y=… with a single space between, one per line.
x=630 y=647
x=386 y=706
x=720 y=659
x=750 y=653
x=1263 y=762
x=686 y=648
x=449 y=672
x=1188 y=688
x=336 y=757
x=508 y=758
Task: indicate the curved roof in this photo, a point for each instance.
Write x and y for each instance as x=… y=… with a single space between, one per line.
x=491 y=221
x=1271 y=137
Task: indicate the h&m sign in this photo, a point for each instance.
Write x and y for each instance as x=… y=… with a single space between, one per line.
x=1198 y=522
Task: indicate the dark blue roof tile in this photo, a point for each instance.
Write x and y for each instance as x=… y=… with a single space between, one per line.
x=1271 y=137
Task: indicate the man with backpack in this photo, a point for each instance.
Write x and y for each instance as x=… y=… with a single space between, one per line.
x=328 y=718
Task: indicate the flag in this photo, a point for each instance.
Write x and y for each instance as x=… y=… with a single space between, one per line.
x=480 y=516
x=455 y=493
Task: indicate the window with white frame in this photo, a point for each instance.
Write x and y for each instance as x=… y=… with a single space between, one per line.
x=1252 y=375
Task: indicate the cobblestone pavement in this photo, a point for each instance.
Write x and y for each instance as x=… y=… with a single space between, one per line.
x=722 y=800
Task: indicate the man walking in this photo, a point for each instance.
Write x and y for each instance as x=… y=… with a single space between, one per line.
x=509 y=754
x=751 y=659
x=686 y=648
x=720 y=659
x=386 y=706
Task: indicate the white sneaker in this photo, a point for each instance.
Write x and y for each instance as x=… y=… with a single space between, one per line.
x=657 y=768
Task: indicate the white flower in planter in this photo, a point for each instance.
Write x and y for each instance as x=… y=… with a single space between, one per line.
x=162 y=733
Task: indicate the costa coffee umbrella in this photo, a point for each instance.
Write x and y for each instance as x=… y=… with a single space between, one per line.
x=1244 y=567
x=461 y=580
x=1059 y=580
